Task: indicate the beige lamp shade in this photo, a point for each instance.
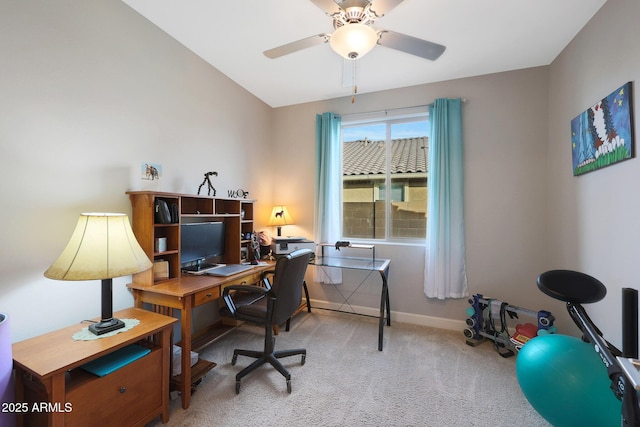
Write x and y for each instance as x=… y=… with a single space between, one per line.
x=353 y=41
x=102 y=246
x=280 y=216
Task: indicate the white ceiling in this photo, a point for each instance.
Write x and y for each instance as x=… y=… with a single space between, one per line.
x=482 y=36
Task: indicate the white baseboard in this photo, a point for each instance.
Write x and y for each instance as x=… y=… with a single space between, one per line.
x=431 y=321
x=414 y=319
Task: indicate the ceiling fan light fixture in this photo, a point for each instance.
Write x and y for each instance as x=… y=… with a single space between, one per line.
x=353 y=41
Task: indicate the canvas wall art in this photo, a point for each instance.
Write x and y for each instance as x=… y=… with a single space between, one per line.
x=603 y=134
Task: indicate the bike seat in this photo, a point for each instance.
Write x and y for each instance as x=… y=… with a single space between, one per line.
x=571 y=286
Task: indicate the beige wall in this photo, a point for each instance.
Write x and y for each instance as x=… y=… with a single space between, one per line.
x=505 y=126
x=90 y=90
x=525 y=212
x=593 y=219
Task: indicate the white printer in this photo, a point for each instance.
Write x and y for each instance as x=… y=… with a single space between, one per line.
x=285 y=245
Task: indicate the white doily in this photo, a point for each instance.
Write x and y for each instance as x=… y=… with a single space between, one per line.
x=85 y=335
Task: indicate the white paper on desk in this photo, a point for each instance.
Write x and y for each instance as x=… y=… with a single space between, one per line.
x=177 y=360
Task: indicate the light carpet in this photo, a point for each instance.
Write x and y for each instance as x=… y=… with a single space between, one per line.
x=423 y=377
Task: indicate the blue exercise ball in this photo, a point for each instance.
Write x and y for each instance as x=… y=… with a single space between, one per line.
x=564 y=379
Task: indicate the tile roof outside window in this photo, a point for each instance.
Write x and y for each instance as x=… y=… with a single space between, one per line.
x=363 y=157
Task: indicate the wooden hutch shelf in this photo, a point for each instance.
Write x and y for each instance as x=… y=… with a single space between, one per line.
x=237 y=214
x=184 y=292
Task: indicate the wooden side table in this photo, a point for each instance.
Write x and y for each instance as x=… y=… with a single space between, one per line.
x=52 y=390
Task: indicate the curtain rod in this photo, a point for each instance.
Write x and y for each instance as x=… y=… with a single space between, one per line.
x=464 y=101
x=386 y=111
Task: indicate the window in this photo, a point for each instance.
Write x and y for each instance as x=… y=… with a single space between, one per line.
x=384 y=176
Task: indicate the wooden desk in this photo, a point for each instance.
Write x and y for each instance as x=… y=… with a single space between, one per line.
x=184 y=293
x=47 y=371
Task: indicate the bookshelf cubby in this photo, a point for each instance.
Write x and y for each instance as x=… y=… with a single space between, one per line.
x=237 y=214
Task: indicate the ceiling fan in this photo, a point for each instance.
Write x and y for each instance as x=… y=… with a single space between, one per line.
x=354 y=37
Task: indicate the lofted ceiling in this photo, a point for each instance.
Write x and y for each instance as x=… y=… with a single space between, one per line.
x=481 y=36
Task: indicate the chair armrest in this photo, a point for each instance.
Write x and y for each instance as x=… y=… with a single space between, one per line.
x=265 y=280
x=226 y=296
x=245 y=288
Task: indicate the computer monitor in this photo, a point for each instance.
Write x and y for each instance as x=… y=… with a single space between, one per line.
x=201 y=241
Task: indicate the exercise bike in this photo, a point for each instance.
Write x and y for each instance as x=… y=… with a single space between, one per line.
x=623 y=367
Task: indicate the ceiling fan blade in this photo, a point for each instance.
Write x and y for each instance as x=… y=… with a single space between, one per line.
x=382 y=7
x=329 y=7
x=288 y=48
x=411 y=45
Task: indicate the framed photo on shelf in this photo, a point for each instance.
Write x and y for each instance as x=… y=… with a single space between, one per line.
x=150 y=171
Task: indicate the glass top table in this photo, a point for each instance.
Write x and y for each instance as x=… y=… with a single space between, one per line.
x=371 y=264
x=354 y=263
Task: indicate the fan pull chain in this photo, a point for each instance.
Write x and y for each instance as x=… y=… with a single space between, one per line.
x=355 y=83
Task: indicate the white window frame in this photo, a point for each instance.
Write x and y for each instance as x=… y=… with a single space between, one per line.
x=389 y=117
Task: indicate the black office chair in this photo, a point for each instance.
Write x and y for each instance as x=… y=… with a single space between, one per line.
x=270 y=305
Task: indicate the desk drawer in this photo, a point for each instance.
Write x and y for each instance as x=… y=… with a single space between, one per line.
x=245 y=280
x=206 y=296
x=120 y=398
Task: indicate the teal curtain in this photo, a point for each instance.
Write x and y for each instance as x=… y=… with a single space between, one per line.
x=445 y=270
x=328 y=185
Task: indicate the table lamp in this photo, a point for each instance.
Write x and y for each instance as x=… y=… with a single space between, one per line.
x=102 y=246
x=279 y=217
